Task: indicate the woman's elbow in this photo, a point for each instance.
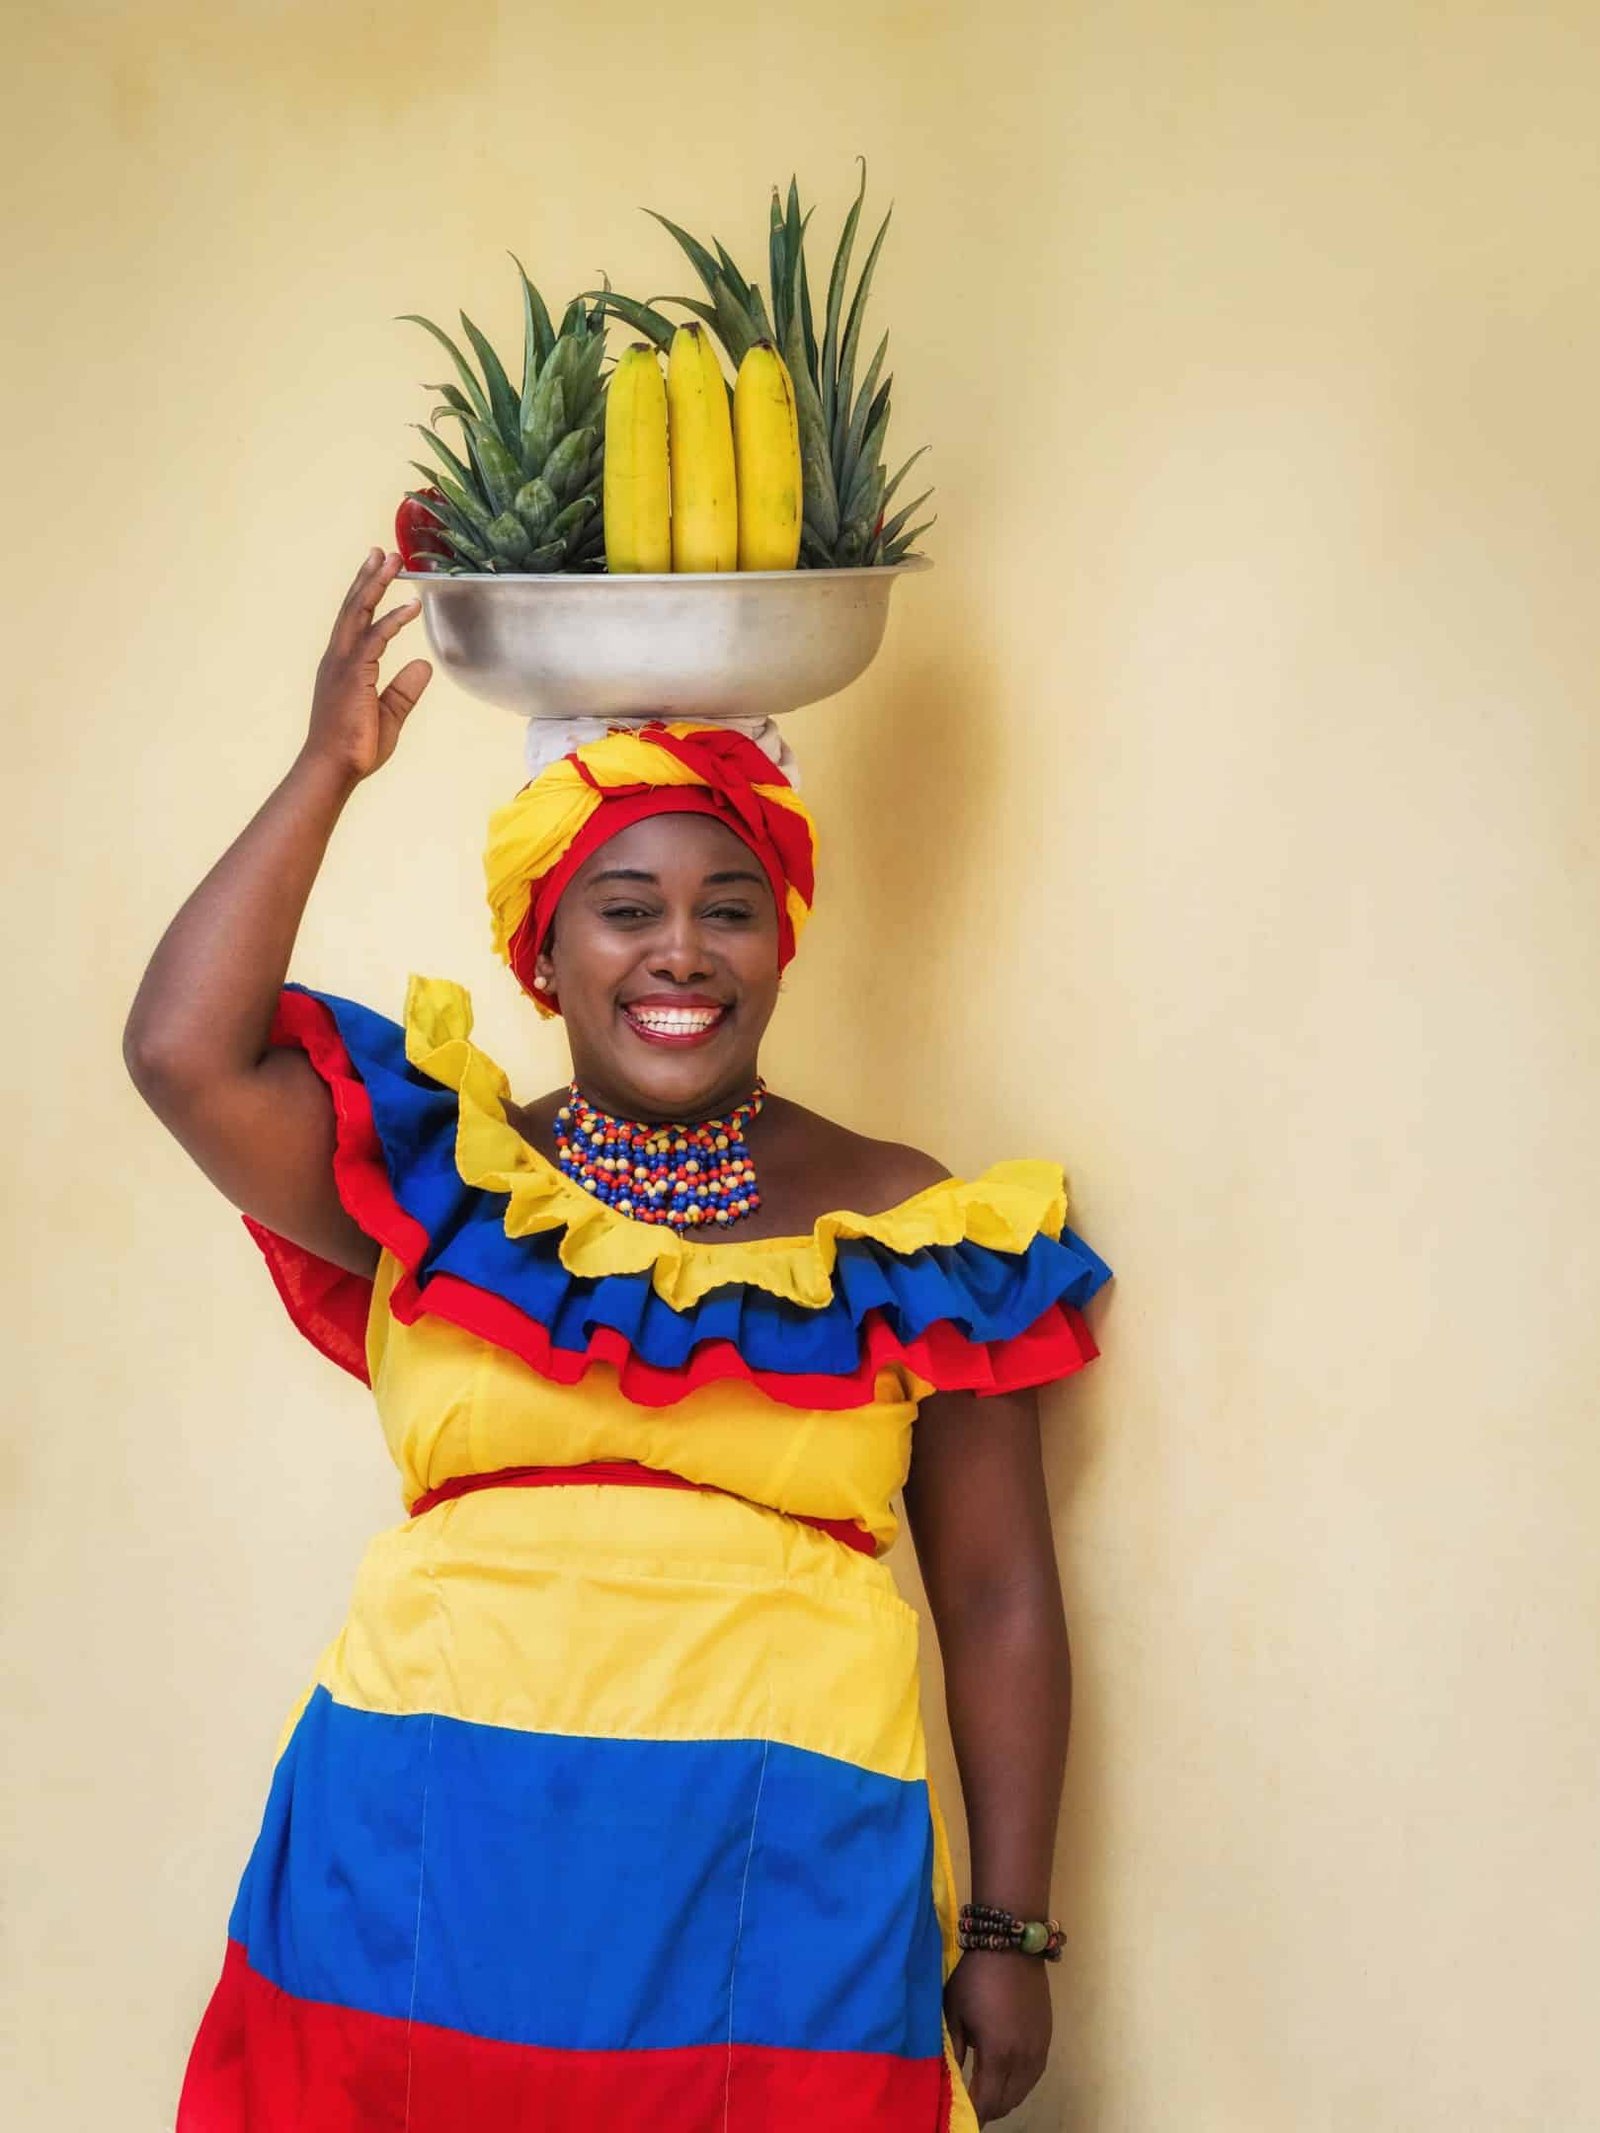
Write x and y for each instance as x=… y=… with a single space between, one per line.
x=160 y=1065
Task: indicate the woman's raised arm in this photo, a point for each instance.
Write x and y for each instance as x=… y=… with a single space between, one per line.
x=257 y=1119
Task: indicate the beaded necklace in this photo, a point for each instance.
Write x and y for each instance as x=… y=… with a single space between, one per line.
x=685 y=1176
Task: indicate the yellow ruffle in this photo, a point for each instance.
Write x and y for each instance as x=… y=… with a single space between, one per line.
x=1005 y=1208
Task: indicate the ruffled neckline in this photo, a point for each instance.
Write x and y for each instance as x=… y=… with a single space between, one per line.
x=1004 y=1208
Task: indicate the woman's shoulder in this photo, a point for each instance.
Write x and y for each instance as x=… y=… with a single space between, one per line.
x=841 y=1167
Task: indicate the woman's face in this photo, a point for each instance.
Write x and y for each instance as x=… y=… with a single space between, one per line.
x=664 y=955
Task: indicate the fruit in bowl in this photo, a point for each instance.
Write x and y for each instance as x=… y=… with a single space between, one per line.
x=572 y=470
x=524 y=492
x=843 y=427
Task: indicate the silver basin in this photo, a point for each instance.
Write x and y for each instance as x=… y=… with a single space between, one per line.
x=724 y=644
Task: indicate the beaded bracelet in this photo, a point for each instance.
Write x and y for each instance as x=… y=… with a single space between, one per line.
x=985 y=1925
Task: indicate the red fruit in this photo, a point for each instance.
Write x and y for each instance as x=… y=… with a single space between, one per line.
x=417 y=530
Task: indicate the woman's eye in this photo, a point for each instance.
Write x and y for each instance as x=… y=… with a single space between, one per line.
x=635 y=914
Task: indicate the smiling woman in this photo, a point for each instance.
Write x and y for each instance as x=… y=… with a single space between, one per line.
x=682 y=864
x=609 y=1804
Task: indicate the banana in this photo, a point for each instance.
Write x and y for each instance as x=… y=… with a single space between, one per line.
x=766 y=444
x=636 y=501
x=705 y=508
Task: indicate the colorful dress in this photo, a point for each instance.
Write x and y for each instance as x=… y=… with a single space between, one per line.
x=609 y=1806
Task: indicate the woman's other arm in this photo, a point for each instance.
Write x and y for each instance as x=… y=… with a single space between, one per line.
x=257 y=1119
x=979 y=1516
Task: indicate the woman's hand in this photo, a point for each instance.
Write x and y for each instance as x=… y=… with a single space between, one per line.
x=354 y=727
x=998 y=2004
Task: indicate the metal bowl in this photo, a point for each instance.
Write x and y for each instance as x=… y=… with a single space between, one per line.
x=715 y=645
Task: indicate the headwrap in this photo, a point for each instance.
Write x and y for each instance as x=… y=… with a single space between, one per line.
x=538 y=841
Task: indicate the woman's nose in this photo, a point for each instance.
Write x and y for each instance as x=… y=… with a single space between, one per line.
x=680 y=954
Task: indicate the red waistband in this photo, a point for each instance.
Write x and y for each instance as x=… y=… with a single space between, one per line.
x=632 y=1472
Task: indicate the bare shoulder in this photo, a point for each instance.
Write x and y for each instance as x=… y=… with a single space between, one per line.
x=842 y=1168
x=898 y=1171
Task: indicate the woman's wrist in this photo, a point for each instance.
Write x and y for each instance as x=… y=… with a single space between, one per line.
x=322 y=775
x=984 y=1926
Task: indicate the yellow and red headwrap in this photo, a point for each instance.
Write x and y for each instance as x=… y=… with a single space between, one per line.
x=538 y=841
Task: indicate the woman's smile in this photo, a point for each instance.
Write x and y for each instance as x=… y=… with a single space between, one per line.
x=680 y=1021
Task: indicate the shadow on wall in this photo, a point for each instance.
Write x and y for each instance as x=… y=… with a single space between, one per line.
x=911 y=813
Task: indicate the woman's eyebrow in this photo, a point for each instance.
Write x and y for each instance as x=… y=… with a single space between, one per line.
x=716 y=880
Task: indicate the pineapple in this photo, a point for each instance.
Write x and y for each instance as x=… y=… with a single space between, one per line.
x=526 y=497
x=842 y=427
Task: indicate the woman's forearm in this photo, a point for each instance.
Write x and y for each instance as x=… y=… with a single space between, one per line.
x=205 y=1006
x=1008 y=1687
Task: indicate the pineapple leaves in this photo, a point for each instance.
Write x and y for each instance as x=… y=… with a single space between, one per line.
x=546 y=423
x=461 y=532
x=858 y=304
x=794 y=226
x=821 y=509
x=905 y=545
x=853 y=505
x=836 y=286
x=457 y=505
x=468 y=377
x=535 y=505
x=866 y=408
x=502 y=474
x=458 y=403
x=738 y=314
x=436 y=443
x=738 y=330
x=643 y=318
x=742 y=289
x=892 y=526
x=777 y=273
x=705 y=312
x=527 y=492
x=896 y=479
x=806 y=323
x=699 y=258
x=502 y=400
x=538 y=338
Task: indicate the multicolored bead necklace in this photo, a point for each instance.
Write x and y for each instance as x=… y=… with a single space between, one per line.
x=688 y=1177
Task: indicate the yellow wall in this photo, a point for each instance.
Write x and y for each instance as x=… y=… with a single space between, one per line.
x=1220 y=818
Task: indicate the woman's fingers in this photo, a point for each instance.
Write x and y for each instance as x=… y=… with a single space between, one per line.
x=396 y=619
x=399 y=699
x=369 y=563
x=366 y=590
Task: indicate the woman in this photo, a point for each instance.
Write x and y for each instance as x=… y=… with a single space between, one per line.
x=609 y=1804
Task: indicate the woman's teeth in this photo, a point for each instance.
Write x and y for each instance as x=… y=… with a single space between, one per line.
x=675 y=1021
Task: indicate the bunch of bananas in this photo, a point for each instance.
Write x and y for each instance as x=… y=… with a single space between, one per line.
x=689 y=483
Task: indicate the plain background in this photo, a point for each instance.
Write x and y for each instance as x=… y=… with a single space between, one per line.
x=1219 y=820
